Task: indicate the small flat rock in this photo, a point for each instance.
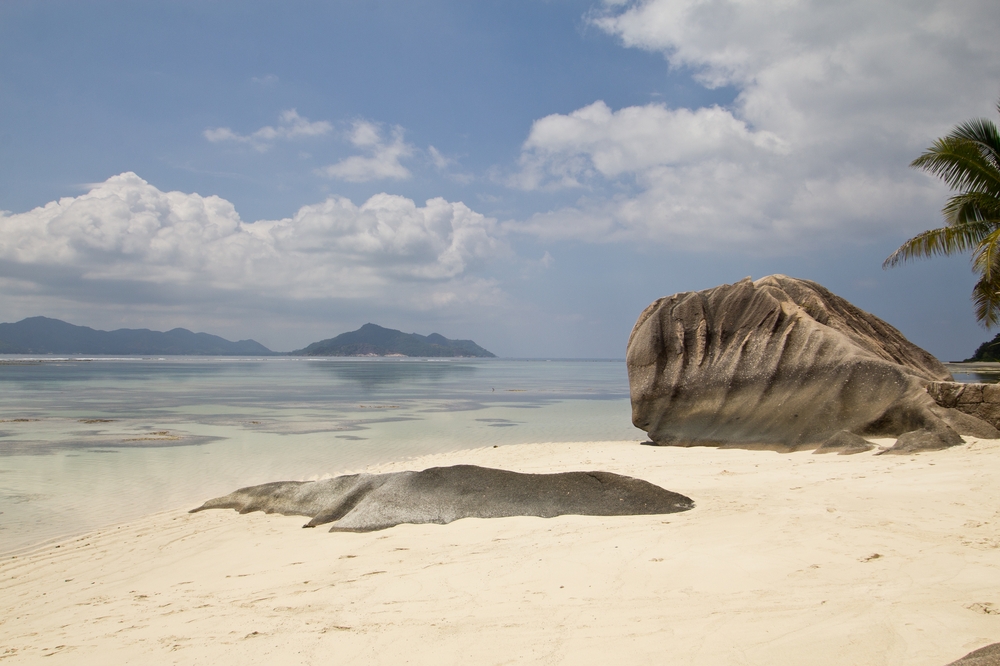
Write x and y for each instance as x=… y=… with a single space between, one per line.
x=845 y=443
x=368 y=502
x=929 y=439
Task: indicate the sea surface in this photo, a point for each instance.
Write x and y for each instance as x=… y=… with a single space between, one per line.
x=975 y=372
x=86 y=443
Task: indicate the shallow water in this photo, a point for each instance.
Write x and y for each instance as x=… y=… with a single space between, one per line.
x=87 y=443
x=976 y=372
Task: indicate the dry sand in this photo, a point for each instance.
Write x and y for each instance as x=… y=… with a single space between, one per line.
x=786 y=559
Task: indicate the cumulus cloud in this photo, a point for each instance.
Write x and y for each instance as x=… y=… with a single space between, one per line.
x=833 y=102
x=388 y=248
x=382 y=159
x=290 y=126
x=596 y=140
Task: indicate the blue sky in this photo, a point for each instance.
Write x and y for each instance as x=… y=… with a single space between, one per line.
x=529 y=174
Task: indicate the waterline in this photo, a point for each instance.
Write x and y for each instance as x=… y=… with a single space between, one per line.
x=88 y=443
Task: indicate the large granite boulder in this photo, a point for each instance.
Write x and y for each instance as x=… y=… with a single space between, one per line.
x=783 y=363
x=368 y=502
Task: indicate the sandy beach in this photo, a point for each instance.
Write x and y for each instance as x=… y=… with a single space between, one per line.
x=786 y=559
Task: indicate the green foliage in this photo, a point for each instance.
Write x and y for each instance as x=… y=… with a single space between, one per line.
x=375 y=340
x=988 y=351
x=968 y=160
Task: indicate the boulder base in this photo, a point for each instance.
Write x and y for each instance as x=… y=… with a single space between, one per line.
x=979 y=400
x=845 y=443
x=984 y=656
x=781 y=362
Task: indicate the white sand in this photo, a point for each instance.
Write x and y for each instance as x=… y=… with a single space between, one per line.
x=787 y=559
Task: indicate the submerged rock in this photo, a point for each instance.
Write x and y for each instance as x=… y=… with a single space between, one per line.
x=782 y=362
x=368 y=502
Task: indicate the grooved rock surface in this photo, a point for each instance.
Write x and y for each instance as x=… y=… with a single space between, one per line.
x=979 y=400
x=782 y=363
x=984 y=656
x=368 y=502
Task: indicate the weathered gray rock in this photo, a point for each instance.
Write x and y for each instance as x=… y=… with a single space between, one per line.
x=984 y=656
x=368 y=502
x=932 y=438
x=979 y=400
x=845 y=443
x=782 y=362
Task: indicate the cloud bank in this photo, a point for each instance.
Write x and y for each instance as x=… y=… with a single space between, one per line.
x=388 y=249
x=833 y=102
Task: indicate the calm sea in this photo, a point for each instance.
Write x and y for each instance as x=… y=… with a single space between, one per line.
x=87 y=443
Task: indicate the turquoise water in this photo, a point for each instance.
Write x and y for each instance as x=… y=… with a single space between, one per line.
x=87 y=443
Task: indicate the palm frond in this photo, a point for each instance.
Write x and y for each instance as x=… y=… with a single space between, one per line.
x=986 y=293
x=944 y=241
x=986 y=299
x=968 y=160
x=984 y=134
x=972 y=208
x=961 y=164
x=986 y=257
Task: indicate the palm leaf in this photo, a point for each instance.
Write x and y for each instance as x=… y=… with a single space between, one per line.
x=961 y=164
x=968 y=160
x=984 y=134
x=944 y=241
x=986 y=299
x=986 y=257
x=971 y=208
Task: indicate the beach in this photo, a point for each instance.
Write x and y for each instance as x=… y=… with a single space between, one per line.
x=785 y=559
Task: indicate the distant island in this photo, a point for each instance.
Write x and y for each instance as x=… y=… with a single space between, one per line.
x=373 y=340
x=42 y=335
x=988 y=351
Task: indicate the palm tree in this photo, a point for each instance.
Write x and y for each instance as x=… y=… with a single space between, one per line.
x=968 y=160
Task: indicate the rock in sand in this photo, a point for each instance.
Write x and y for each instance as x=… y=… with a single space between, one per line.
x=984 y=656
x=368 y=502
x=783 y=363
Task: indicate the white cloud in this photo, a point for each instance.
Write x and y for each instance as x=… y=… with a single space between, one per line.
x=443 y=163
x=382 y=160
x=388 y=249
x=834 y=101
x=290 y=126
x=438 y=159
x=596 y=140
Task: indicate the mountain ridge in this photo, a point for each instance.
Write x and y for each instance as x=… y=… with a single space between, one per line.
x=374 y=340
x=44 y=335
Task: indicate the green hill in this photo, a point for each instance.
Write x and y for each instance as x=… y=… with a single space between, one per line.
x=988 y=351
x=42 y=335
x=373 y=340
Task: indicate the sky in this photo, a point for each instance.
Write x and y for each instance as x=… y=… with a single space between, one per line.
x=528 y=174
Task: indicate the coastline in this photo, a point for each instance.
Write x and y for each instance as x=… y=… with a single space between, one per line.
x=785 y=559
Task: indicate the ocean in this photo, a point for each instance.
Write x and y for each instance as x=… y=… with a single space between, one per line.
x=86 y=443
